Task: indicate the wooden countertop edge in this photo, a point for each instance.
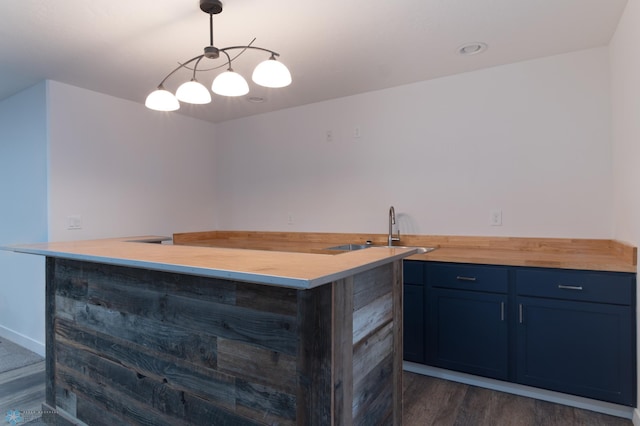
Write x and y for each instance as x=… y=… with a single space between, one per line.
x=286 y=269
x=508 y=258
x=565 y=253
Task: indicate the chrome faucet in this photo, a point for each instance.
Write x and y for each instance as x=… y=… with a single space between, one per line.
x=392 y=221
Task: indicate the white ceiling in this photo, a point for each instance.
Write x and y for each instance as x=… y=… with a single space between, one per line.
x=333 y=48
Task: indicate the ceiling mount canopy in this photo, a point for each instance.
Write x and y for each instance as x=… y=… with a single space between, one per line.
x=212 y=7
x=269 y=73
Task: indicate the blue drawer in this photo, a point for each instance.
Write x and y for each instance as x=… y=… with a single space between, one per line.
x=587 y=286
x=413 y=271
x=486 y=278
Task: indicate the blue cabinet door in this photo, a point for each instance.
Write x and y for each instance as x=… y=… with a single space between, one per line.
x=413 y=323
x=579 y=348
x=468 y=331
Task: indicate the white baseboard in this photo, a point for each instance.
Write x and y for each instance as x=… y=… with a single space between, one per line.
x=22 y=340
x=528 y=391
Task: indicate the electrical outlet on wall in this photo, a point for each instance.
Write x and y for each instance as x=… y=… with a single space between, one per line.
x=290 y=220
x=74 y=222
x=495 y=218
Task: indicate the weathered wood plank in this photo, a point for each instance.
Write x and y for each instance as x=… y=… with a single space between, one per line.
x=369 y=387
x=94 y=414
x=268 y=330
x=379 y=411
x=162 y=396
x=314 y=357
x=66 y=399
x=112 y=402
x=343 y=300
x=134 y=385
x=209 y=384
x=69 y=280
x=97 y=274
x=49 y=324
x=198 y=348
x=369 y=318
x=272 y=331
x=370 y=285
x=398 y=303
x=263 y=400
x=87 y=374
x=277 y=300
x=371 y=351
x=258 y=365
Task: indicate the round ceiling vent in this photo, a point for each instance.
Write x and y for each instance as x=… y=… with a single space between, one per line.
x=474 y=48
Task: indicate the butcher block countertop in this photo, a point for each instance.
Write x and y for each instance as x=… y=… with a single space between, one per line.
x=300 y=270
x=564 y=253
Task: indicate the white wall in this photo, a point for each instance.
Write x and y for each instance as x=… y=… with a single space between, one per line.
x=625 y=77
x=126 y=170
x=23 y=215
x=532 y=139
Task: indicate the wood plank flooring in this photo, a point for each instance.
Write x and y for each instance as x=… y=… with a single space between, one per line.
x=433 y=401
x=22 y=389
x=427 y=401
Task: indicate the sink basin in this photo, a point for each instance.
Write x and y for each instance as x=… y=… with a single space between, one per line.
x=350 y=247
x=421 y=250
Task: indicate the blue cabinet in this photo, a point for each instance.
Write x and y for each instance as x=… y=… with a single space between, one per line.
x=413 y=312
x=576 y=334
x=564 y=330
x=467 y=326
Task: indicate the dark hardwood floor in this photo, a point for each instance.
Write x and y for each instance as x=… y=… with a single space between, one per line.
x=432 y=401
x=427 y=401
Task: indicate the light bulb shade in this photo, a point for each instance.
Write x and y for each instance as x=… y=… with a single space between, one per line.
x=230 y=83
x=271 y=73
x=193 y=92
x=162 y=100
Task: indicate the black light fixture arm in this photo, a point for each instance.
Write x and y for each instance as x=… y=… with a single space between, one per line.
x=198 y=58
x=274 y=54
x=211 y=29
x=223 y=50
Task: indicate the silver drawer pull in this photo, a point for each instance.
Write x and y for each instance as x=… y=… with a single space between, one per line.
x=569 y=287
x=459 y=278
x=520 y=312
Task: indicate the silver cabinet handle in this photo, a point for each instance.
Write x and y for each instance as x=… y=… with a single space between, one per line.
x=501 y=311
x=569 y=287
x=460 y=278
x=520 y=309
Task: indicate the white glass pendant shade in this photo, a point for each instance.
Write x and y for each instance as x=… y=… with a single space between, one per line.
x=193 y=92
x=271 y=73
x=230 y=83
x=162 y=100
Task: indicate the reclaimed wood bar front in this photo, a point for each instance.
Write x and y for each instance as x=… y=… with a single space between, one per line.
x=155 y=334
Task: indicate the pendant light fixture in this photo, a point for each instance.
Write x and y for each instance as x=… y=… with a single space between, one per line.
x=269 y=73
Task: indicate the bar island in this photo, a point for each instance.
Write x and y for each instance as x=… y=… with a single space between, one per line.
x=143 y=333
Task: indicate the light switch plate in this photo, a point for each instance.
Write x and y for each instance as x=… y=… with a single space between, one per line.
x=495 y=218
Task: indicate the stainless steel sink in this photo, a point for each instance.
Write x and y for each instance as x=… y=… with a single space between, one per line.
x=350 y=247
x=420 y=249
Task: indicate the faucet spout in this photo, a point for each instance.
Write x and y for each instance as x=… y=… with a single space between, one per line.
x=392 y=221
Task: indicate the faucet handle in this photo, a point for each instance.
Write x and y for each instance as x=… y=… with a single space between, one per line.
x=398 y=237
